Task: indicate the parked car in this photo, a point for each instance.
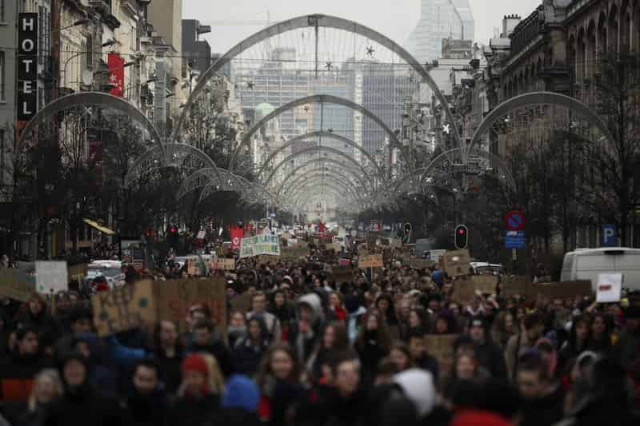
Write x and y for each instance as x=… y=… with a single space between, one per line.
x=109 y=270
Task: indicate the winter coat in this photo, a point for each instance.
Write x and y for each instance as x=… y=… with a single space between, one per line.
x=544 y=411
x=17 y=375
x=169 y=369
x=370 y=353
x=85 y=406
x=277 y=397
x=491 y=357
x=187 y=411
x=220 y=352
x=147 y=410
x=247 y=356
x=304 y=343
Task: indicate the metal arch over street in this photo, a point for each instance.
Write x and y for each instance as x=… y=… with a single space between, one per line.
x=315 y=149
x=317 y=173
x=497 y=161
x=305 y=180
x=157 y=157
x=318 y=21
x=342 y=169
x=297 y=202
x=327 y=135
x=204 y=177
x=335 y=184
x=92 y=98
x=537 y=98
x=330 y=99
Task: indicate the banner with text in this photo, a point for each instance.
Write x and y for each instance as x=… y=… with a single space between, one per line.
x=260 y=245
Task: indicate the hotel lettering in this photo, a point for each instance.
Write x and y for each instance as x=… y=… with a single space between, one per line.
x=27 y=65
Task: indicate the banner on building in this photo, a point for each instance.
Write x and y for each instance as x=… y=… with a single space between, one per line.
x=115 y=63
x=260 y=245
x=27 y=90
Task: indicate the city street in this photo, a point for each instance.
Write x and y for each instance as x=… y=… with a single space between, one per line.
x=321 y=214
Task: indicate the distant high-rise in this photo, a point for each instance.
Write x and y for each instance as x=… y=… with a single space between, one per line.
x=440 y=19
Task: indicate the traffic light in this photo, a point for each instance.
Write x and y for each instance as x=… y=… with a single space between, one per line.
x=461 y=237
x=172 y=236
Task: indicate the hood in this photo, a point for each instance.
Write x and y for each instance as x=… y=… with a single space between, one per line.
x=312 y=300
x=95 y=346
x=240 y=392
x=418 y=386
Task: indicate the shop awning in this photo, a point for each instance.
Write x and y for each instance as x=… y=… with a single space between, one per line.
x=96 y=225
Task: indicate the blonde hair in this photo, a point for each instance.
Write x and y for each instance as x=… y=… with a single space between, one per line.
x=46 y=374
x=216 y=379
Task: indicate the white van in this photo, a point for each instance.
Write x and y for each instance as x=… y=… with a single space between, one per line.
x=587 y=264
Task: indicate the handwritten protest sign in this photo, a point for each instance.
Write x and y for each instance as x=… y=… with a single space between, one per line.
x=485 y=284
x=123 y=308
x=175 y=297
x=464 y=291
x=341 y=274
x=51 y=276
x=77 y=272
x=16 y=285
x=294 y=252
x=456 y=263
x=395 y=242
x=371 y=261
x=515 y=286
x=223 y=264
x=259 y=245
x=441 y=348
x=561 y=290
x=609 y=288
x=241 y=303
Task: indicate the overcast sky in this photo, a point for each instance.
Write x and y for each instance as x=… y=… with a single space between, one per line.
x=233 y=20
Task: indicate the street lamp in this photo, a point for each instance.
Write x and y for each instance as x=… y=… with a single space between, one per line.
x=75 y=24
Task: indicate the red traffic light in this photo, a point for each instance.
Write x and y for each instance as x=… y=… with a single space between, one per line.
x=173 y=230
x=461 y=237
x=462 y=231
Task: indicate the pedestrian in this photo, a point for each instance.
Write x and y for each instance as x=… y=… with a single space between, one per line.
x=197 y=403
x=531 y=330
x=46 y=391
x=488 y=355
x=542 y=398
x=259 y=307
x=373 y=344
x=146 y=403
x=168 y=354
x=206 y=339
x=279 y=384
x=249 y=351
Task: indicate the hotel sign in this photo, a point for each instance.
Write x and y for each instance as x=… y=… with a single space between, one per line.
x=27 y=66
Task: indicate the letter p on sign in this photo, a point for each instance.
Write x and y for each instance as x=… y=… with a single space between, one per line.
x=609 y=236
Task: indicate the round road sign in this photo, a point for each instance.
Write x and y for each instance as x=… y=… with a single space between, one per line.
x=514 y=220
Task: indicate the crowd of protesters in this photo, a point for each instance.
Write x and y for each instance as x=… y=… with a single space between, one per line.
x=310 y=351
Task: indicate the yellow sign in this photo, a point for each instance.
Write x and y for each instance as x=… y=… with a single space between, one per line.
x=223 y=264
x=371 y=261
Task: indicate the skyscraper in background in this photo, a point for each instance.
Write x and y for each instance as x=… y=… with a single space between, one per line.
x=440 y=19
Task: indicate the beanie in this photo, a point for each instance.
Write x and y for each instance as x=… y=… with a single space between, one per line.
x=477 y=418
x=195 y=362
x=241 y=392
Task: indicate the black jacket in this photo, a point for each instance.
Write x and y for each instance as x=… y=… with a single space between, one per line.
x=544 y=411
x=85 y=406
x=247 y=357
x=221 y=354
x=147 y=410
x=491 y=357
x=194 y=411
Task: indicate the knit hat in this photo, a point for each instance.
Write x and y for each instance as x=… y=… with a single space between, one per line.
x=195 y=362
x=417 y=385
x=241 y=392
x=477 y=418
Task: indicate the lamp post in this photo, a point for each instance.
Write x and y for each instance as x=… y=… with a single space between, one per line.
x=64 y=68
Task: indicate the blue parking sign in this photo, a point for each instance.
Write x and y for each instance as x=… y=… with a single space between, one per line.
x=514 y=239
x=609 y=236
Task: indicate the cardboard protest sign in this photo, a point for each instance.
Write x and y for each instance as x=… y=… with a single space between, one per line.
x=371 y=261
x=441 y=348
x=341 y=274
x=16 y=285
x=435 y=255
x=241 y=303
x=175 y=297
x=294 y=252
x=515 y=286
x=333 y=246
x=51 y=276
x=77 y=272
x=419 y=263
x=395 y=242
x=609 y=288
x=223 y=264
x=485 y=284
x=123 y=308
x=456 y=263
x=464 y=291
x=561 y=290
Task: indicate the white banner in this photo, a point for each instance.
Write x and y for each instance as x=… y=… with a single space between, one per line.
x=260 y=245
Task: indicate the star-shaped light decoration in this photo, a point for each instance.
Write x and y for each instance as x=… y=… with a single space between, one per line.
x=446 y=128
x=370 y=50
x=329 y=65
x=250 y=85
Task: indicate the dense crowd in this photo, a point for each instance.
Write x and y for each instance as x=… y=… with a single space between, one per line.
x=306 y=350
